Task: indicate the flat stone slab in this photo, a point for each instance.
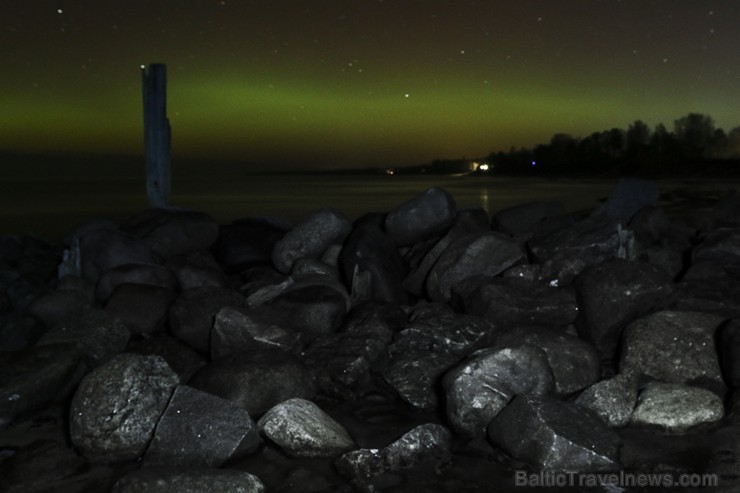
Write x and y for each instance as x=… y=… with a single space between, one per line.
x=676 y=407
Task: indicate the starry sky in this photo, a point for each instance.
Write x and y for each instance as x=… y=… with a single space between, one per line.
x=348 y=83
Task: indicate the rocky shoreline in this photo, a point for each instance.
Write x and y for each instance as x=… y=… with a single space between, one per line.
x=429 y=348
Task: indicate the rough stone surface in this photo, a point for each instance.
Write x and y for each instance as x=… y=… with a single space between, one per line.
x=674 y=347
x=723 y=247
x=58 y=307
x=574 y=362
x=718 y=296
x=191 y=315
x=474 y=255
x=200 y=430
x=35 y=377
x=256 y=380
x=104 y=249
x=98 y=334
x=311 y=238
x=302 y=429
x=555 y=435
x=512 y=301
x=615 y=293
x=629 y=196
x=613 y=400
x=311 y=308
x=197 y=270
x=425 y=216
x=434 y=341
x=116 y=407
x=171 y=232
x=369 y=249
x=181 y=480
x=428 y=445
x=242 y=329
x=481 y=386
x=142 y=309
x=40 y=462
x=676 y=407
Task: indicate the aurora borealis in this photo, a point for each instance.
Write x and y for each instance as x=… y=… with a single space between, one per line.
x=327 y=83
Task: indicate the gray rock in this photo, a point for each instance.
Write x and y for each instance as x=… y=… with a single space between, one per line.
x=615 y=293
x=565 y=252
x=242 y=329
x=629 y=196
x=98 y=334
x=247 y=243
x=116 y=407
x=532 y=217
x=191 y=315
x=311 y=308
x=302 y=429
x=676 y=407
x=729 y=351
x=341 y=363
x=150 y=275
x=554 y=435
x=311 y=238
x=674 y=347
x=200 y=430
x=197 y=270
x=650 y=225
x=422 y=256
x=481 y=386
x=574 y=362
x=426 y=348
x=256 y=380
x=263 y=284
x=181 y=480
x=183 y=359
x=33 y=378
x=39 y=462
x=474 y=255
x=721 y=246
x=142 y=309
x=170 y=232
x=613 y=400
x=513 y=301
x=103 y=249
x=425 y=446
x=369 y=249
x=425 y=216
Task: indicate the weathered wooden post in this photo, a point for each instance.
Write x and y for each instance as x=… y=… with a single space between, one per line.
x=157 y=137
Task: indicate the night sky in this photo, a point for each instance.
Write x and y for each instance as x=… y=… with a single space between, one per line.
x=360 y=82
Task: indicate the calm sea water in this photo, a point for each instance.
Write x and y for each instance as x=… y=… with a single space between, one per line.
x=54 y=205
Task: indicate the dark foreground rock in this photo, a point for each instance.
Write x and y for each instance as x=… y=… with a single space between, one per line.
x=554 y=435
x=167 y=480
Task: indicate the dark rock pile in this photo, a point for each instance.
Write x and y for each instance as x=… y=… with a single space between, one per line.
x=427 y=349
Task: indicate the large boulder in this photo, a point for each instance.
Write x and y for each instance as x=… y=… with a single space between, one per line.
x=676 y=407
x=370 y=250
x=142 y=309
x=191 y=315
x=171 y=232
x=718 y=296
x=474 y=255
x=301 y=429
x=33 y=378
x=723 y=247
x=555 y=436
x=613 y=399
x=425 y=216
x=247 y=243
x=513 y=301
x=481 y=386
x=311 y=238
x=37 y=465
x=628 y=196
x=196 y=270
x=256 y=380
x=729 y=351
x=243 y=329
x=147 y=274
x=200 y=430
x=104 y=249
x=613 y=294
x=183 y=359
x=674 y=347
x=117 y=406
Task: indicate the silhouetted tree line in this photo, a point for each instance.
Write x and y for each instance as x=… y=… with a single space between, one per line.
x=695 y=146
